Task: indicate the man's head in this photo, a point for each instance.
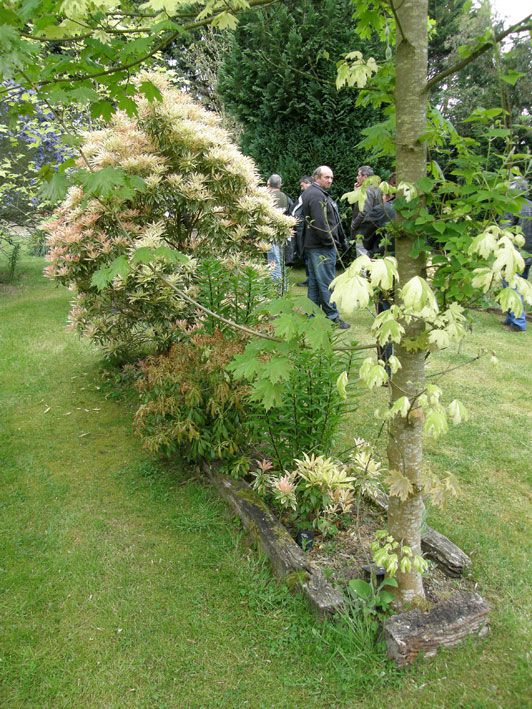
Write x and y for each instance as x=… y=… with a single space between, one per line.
x=323 y=176
x=363 y=172
x=392 y=180
x=305 y=182
x=274 y=182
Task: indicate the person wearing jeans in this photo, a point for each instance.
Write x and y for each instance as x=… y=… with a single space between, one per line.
x=321 y=272
x=276 y=252
x=322 y=231
x=304 y=183
x=512 y=321
x=274 y=262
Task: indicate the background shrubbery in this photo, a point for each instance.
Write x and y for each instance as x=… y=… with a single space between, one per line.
x=278 y=80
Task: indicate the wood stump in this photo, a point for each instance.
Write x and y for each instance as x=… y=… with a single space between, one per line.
x=445 y=625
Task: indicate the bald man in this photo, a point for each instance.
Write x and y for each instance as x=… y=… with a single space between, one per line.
x=323 y=230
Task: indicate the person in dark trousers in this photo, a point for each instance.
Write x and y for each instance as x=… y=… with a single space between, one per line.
x=359 y=219
x=276 y=254
x=371 y=229
x=524 y=219
x=374 y=242
x=323 y=236
x=304 y=182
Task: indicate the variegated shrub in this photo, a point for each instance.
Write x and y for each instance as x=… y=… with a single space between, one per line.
x=169 y=176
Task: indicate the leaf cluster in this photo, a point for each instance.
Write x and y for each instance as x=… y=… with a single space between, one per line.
x=293 y=380
x=318 y=492
x=395 y=556
x=190 y=406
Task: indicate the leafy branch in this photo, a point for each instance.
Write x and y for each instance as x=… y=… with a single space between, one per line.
x=191 y=301
x=162 y=44
x=524 y=25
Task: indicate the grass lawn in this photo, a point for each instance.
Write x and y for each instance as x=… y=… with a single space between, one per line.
x=124 y=582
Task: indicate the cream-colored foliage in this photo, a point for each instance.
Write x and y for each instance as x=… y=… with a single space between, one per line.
x=323 y=473
x=373 y=373
x=457 y=411
x=199 y=195
x=350 y=292
x=341 y=384
x=418 y=298
x=408 y=190
x=501 y=248
x=383 y=271
x=353 y=70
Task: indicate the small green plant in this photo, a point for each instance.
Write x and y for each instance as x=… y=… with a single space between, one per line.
x=10 y=248
x=374 y=601
x=37 y=245
x=234 y=288
x=395 y=556
x=293 y=379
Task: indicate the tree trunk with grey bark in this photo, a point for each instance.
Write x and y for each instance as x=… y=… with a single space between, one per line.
x=405 y=445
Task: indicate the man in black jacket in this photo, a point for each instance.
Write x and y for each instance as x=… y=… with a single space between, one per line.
x=360 y=222
x=323 y=232
x=299 y=230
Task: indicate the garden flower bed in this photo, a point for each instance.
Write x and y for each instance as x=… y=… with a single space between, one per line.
x=325 y=574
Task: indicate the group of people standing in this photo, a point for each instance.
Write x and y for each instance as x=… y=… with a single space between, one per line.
x=319 y=239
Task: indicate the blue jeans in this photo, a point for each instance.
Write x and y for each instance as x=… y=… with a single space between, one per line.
x=276 y=263
x=321 y=271
x=511 y=318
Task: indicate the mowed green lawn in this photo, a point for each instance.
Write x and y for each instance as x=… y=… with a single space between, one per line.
x=125 y=582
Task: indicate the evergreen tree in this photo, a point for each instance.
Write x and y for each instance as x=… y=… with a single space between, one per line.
x=278 y=79
x=500 y=77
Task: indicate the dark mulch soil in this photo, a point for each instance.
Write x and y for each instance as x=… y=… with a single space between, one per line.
x=342 y=557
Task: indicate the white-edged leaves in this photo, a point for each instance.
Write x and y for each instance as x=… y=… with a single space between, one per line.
x=354 y=70
x=500 y=248
x=355 y=287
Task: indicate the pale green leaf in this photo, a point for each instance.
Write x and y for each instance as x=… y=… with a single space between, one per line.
x=341 y=384
x=399 y=485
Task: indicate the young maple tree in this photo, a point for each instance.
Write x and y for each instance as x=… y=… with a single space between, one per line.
x=421 y=320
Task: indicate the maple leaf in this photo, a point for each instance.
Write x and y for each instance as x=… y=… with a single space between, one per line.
x=400 y=485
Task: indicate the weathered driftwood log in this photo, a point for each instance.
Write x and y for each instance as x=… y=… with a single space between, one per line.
x=445 y=625
x=450 y=558
x=289 y=562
